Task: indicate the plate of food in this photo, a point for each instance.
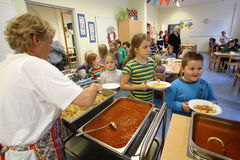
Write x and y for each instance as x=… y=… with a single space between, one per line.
x=204 y=106
x=111 y=86
x=162 y=85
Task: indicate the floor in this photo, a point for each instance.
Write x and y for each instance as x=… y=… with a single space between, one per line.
x=227 y=96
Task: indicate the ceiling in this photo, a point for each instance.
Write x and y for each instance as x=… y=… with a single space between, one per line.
x=183 y=3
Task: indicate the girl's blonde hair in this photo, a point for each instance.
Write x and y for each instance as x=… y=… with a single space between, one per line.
x=102 y=49
x=110 y=55
x=90 y=58
x=135 y=43
x=20 y=30
x=169 y=46
x=114 y=43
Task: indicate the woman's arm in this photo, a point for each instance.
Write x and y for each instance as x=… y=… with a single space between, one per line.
x=87 y=96
x=129 y=87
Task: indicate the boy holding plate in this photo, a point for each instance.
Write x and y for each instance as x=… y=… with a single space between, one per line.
x=190 y=86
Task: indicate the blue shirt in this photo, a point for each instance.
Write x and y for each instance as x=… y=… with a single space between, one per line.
x=173 y=55
x=181 y=91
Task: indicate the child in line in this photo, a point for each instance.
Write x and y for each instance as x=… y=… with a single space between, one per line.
x=114 y=50
x=83 y=66
x=122 y=54
x=111 y=74
x=190 y=86
x=154 y=49
x=102 y=50
x=126 y=46
x=139 y=69
x=96 y=68
x=169 y=53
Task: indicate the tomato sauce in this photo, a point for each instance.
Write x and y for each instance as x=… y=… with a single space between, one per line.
x=127 y=114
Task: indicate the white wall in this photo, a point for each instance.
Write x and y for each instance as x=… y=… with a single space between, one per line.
x=222 y=10
x=153 y=16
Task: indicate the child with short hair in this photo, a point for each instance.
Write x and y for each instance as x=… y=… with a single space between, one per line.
x=139 y=69
x=102 y=50
x=111 y=73
x=96 y=68
x=190 y=86
x=126 y=46
x=169 y=53
x=122 y=54
x=84 y=65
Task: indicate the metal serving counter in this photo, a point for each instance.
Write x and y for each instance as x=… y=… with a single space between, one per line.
x=144 y=146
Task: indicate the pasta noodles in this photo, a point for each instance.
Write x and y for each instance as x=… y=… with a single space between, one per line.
x=73 y=111
x=159 y=85
x=204 y=109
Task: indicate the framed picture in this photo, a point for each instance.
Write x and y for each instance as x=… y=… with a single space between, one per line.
x=91 y=28
x=82 y=25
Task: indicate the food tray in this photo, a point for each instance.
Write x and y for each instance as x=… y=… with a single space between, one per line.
x=211 y=138
x=77 y=122
x=119 y=119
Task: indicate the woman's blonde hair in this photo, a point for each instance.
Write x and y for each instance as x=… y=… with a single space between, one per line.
x=102 y=50
x=135 y=43
x=20 y=30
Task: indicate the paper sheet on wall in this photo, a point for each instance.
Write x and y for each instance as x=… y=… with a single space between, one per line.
x=210 y=29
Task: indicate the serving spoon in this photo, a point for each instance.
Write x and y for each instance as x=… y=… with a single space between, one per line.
x=112 y=124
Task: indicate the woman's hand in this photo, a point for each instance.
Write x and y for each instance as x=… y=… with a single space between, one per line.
x=73 y=70
x=185 y=107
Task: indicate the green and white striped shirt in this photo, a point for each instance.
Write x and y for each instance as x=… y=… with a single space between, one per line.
x=139 y=74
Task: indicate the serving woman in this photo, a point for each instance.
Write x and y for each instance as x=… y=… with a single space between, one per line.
x=34 y=93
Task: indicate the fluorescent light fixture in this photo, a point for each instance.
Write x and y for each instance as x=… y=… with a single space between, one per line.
x=177 y=3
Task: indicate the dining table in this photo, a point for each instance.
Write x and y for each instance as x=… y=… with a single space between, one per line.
x=176 y=143
x=175 y=67
x=220 y=55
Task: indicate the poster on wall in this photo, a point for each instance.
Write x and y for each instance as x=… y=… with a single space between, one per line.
x=82 y=25
x=91 y=28
x=106 y=30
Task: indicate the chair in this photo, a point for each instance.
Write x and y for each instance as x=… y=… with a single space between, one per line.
x=230 y=63
x=237 y=75
x=212 y=59
x=161 y=76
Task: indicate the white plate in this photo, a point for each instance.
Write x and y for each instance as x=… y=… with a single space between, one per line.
x=111 y=86
x=194 y=102
x=158 y=88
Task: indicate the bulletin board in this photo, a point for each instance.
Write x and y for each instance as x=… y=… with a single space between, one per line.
x=209 y=29
x=102 y=29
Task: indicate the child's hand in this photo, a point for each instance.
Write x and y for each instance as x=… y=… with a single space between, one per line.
x=144 y=87
x=185 y=107
x=214 y=102
x=73 y=70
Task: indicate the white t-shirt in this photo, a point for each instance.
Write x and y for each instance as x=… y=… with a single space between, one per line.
x=224 y=39
x=111 y=76
x=33 y=94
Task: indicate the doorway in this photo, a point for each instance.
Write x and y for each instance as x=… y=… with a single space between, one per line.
x=62 y=19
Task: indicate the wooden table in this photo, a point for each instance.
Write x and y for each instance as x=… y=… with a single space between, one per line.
x=175 y=146
x=175 y=68
x=191 y=46
x=220 y=55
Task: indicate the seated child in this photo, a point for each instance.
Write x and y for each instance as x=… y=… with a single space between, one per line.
x=111 y=73
x=169 y=53
x=154 y=48
x=160 y=68
x=126 y=46
x=96 y=68
x=230 y=47
x=102 y=50
x=83 y=66
x=190 y=86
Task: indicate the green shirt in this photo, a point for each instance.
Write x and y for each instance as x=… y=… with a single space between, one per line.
x=122 y=55
x=227 y=50
x=139 y=74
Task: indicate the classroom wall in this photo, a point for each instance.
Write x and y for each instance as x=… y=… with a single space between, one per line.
x=222 y=10
x=106 y=8
x=153 y=16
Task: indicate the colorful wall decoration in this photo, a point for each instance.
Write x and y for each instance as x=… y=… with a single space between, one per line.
x=82 y=25
x=186 y=24
x=92 y=35
x=160 y=1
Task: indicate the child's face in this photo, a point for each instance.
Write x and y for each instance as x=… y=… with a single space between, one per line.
x=118 y=45
x=144 y=49
x=109 y=63
x=192 y=71
x=96 y=62
x=125 y=46
x=231 y=44
x=170 y=51
x=112 y=48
